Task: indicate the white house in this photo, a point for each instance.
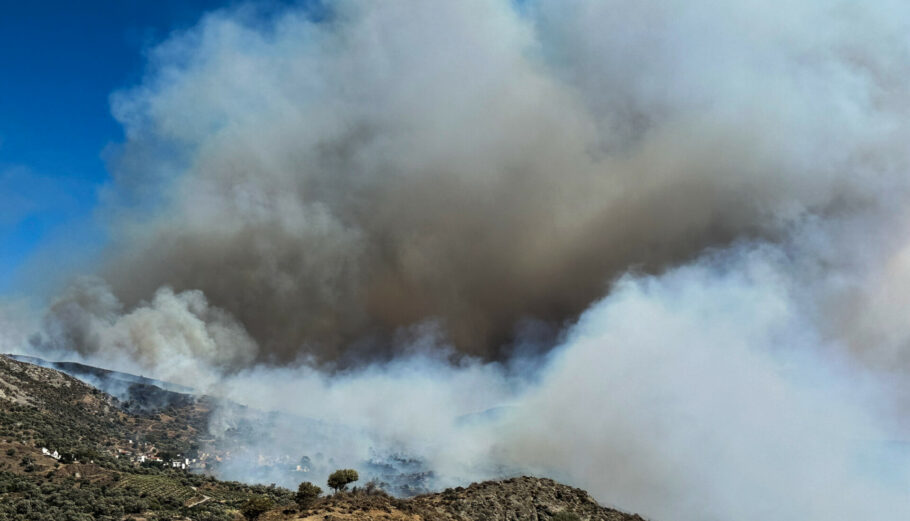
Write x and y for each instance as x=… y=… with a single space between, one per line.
x=46 y=452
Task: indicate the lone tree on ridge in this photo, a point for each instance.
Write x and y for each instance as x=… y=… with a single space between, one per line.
x=340 y=478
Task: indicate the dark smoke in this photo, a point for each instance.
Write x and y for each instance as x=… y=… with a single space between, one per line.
x=330 y=185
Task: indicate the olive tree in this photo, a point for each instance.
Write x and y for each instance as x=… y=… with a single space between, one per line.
x=340 y=479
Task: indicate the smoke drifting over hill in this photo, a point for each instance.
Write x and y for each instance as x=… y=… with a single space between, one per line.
x=424 y=197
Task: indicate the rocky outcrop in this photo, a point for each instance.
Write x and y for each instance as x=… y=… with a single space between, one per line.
x=515 y=499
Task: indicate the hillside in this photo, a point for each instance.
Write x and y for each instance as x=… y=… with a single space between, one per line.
x=69 y=451
x=522 y=498
x=137 y=393
x=103 y=377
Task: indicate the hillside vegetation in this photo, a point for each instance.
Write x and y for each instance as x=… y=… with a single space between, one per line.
x=69 y=452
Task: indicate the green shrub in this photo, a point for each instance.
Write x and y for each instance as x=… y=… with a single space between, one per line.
x=255 y=507
x=306 y=494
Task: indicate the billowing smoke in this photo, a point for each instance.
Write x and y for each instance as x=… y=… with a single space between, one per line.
x=174 y=333
x=482 y=165
x=711 y=392
x=656 y=249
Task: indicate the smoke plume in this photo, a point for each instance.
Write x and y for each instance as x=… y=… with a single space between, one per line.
x=328 y=183
x=656 y=249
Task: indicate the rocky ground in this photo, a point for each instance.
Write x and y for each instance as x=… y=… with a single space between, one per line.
x=514 y=499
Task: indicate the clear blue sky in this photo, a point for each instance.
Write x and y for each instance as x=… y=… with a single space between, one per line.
x=59 y=62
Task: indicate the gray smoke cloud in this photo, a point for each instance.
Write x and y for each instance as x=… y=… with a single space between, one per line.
x=483 y=165
x=656 y=249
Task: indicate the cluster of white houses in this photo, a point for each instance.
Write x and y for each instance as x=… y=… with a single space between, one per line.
x=178 y=463
x=140 y=453
x=148 y=457
x=147 y=453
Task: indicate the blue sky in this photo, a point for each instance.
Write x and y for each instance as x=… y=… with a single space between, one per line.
x=59 y=62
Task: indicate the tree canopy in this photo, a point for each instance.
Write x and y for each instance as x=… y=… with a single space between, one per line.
x=340 y=478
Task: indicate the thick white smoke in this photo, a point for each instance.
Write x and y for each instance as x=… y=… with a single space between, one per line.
x=355 y=219
x=713 y=391
x=176 y=334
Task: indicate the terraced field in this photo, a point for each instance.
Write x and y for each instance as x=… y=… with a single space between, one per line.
x=173 y=489
x=160 y=487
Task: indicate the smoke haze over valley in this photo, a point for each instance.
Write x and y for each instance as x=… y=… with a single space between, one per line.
x=658 y=250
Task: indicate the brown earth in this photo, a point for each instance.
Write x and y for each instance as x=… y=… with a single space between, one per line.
x=515 y=499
